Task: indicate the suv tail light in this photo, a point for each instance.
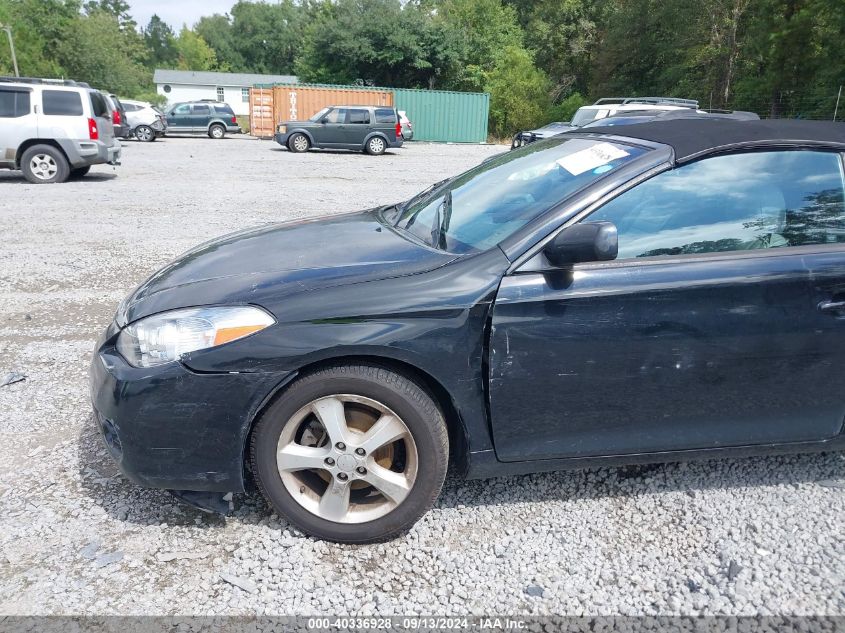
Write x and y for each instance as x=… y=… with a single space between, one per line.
x=93 y=132
x=234 y=120
x=115 y=117
x=398 y=129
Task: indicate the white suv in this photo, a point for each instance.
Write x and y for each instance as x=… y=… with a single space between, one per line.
x=614 y=106
x=54 y=130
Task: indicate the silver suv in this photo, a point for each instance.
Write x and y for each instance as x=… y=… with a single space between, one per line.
x=54 y=130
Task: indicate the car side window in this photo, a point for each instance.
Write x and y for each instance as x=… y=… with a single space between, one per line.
x=203 y=110
x=338 y=115
x=61 y=103
x=14 y=103
x=182 y=109
x=385 y=115
x=358 y=116
x=99 y=106
x=734 y=202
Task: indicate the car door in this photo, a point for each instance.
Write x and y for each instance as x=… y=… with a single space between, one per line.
x=179 y=118
x=720 y=323
x=200 y=117
x=329 y=132
x=356 y=128
x=17 y=121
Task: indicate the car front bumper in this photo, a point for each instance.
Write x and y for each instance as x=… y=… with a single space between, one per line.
x=281 y=138
x=169 y=427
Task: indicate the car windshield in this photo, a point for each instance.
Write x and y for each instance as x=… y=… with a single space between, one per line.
x=585 y=115
x=319 y=115
x=483 y=206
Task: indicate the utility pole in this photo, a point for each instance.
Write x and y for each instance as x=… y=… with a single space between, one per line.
x=838 y=97
x=8 y=30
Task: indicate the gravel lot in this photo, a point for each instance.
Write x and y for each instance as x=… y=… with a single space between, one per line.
x=735 y=537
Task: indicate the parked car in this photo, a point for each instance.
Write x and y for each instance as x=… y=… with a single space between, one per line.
x=371 y=129
x=118 y=116
x=202 y=117
x=407 y=126
x=659 y=292
x=604 y=108
x=54 y=130
x=529 y=136
x=645 y=116
x=146 y=122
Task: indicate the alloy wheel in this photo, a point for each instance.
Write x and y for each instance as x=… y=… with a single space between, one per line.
x=347 y=458
x=376 y=145
x=143 y=133
x=43 y=166
x=300 y=143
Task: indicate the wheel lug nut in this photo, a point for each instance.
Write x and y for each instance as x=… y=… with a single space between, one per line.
x=360 y=451
x=342 y=476
x=361 y=470
x=340 y=446
x=329 y=461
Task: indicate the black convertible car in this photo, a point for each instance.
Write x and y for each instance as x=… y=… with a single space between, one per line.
x=663 y=291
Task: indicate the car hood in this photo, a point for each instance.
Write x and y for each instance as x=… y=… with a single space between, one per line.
x=280 y=259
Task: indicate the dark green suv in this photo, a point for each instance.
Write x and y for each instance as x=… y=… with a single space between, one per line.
x=369 y=128
x=202 y=117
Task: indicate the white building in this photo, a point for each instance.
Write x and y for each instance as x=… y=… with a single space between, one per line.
x=231 y=88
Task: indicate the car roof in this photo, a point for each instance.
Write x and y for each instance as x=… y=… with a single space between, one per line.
x=690 y=138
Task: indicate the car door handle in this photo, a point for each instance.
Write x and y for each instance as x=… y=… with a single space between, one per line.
x=831 y=306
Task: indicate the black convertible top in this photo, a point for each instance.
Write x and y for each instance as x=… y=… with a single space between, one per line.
x=692 y=137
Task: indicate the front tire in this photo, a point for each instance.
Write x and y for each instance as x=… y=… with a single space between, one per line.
x=376 y=146
x=351 y=453
x=217 y=131
x=44 y=164
x=145 y=133
x=298 y=143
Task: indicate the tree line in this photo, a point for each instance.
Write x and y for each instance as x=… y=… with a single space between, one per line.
x=539 y=59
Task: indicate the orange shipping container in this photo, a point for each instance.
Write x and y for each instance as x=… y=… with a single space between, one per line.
x=297 y=103
x=262 y=122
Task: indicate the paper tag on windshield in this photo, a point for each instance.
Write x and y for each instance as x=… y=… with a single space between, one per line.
x=590 y=158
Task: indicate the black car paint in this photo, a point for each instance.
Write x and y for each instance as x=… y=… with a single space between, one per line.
x=398 y=302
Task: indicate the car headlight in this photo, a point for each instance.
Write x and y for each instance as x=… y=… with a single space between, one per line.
x=283 y=129
x=163 y=338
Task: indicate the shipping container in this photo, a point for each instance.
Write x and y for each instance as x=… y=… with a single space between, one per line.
x=437 y=115
x=298 y=102
x=261 y=119
x=441 y=115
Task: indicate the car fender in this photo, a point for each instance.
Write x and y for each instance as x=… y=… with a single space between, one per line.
x=216 y=122
x=302 y=130
x=376 y=133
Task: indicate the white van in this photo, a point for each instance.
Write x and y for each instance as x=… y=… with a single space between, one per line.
x=54 y=130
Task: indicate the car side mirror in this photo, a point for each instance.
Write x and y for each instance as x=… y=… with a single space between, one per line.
x=324 y=120
x=584 y=242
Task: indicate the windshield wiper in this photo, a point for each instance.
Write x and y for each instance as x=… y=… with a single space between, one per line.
x=422 y=194
x=440 y=226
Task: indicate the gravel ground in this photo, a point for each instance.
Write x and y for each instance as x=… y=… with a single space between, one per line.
x=742 y=536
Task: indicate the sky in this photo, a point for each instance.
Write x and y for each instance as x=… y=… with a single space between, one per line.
x=177 y=12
